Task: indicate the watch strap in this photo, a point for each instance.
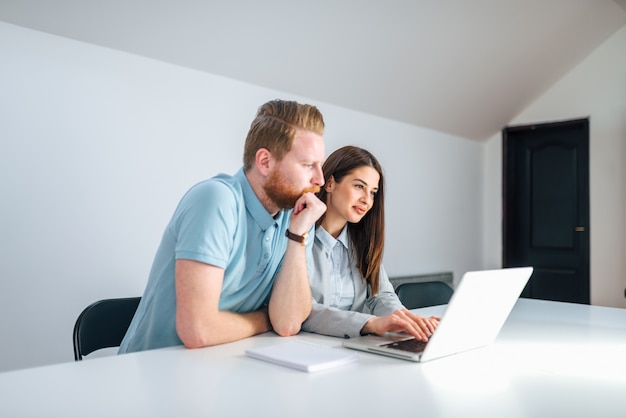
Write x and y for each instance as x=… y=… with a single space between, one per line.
x=297 y=238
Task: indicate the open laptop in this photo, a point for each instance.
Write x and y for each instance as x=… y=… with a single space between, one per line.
x=473 y=318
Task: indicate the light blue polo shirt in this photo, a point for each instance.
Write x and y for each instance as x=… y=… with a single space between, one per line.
x=221 y=222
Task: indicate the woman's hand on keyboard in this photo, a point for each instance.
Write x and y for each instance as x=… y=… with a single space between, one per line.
x=402 y=321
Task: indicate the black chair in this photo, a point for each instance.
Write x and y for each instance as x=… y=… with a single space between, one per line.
x=103 y=324
x=415 y=295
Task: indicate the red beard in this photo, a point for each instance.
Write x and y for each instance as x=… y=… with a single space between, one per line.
x=280 y=190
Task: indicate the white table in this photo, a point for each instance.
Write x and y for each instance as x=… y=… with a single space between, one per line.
x=550 y=360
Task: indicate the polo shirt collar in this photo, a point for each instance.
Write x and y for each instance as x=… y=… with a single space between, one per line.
x=253 y=205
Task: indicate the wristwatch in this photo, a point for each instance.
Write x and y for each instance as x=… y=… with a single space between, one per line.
x=302 y=239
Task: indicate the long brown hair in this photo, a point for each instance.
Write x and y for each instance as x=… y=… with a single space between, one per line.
x=368 y=235
x=275 y=127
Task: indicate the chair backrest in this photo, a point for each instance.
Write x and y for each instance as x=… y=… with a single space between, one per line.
x=103 y=324
x=422 y=294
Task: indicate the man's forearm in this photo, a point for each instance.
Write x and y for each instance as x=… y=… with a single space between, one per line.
x=290 y=303
x=223 y=327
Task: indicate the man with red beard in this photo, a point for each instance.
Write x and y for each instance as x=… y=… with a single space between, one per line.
x=232 y=262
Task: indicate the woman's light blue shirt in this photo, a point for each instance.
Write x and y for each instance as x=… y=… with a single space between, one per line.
x=339 y=308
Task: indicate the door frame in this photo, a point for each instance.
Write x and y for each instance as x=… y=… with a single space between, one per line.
x=508 y=190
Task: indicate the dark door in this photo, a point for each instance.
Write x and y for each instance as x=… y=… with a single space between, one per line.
x=546 y=207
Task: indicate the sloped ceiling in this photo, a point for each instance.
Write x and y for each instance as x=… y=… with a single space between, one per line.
x=456 y=66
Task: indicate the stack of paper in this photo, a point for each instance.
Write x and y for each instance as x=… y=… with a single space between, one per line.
x=303 y=355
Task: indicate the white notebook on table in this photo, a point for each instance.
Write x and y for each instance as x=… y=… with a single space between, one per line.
x=304 y=356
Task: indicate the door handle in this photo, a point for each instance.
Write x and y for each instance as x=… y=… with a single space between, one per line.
x=580 y=229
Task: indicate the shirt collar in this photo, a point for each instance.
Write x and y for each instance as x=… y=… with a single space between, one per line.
x=254 y=206
x=329 y=241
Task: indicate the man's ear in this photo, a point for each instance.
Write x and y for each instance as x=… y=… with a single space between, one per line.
x=264 y=161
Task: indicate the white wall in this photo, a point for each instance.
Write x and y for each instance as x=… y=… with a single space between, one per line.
x=97 y=147
x=596 y=88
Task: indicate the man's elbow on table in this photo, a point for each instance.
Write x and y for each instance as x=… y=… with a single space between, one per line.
x=194 y=338
x=287 y=329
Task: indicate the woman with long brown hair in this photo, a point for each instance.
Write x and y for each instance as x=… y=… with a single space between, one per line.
x=351 y=291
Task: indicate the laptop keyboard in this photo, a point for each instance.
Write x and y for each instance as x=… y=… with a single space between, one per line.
x=411 y=345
